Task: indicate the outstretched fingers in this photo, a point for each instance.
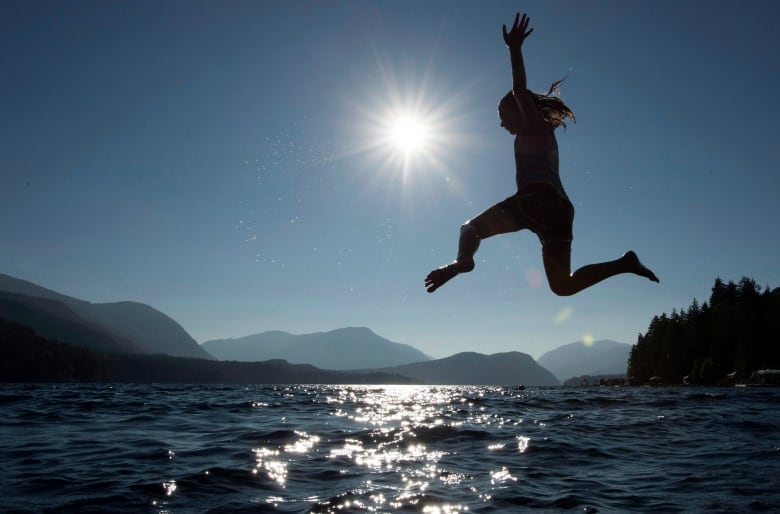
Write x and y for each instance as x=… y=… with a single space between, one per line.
x=524 y=30
x=518 y=32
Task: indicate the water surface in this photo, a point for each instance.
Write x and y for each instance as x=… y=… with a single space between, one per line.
x=191 y=448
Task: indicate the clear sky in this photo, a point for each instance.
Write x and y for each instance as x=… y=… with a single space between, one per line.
x=229 y=163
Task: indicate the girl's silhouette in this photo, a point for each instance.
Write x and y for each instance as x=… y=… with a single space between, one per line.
x=540 y=204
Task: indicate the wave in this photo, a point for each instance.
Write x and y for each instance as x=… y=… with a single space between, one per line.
x=90 y=448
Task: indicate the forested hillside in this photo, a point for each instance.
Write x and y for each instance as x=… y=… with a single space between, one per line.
x=737 y=330
x=27 y=357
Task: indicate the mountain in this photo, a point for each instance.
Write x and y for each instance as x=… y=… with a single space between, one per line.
x=132 y=326
x=55 y=320
x=470 y=368
x=603 y=357
x=343 y=349
x=27 y=357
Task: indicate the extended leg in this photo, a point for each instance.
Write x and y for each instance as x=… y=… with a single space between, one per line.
x=468 y=243
x=495 y=220
x=557 y=265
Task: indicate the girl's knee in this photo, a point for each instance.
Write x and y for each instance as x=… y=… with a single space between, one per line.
x=562 y=288
x=470 y=234
x=469 y=229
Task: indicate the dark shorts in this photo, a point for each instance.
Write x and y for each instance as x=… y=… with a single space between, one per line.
x=540 y=208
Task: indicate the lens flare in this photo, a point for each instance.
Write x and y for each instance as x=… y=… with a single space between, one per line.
x=534 y=278
x=563 y=315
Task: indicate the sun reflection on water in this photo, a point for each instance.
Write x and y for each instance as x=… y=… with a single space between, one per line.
x=302 y=445
x=522 y=443
x=405 y=443
x=274 y=468
x=501 y=476
x=169 y=487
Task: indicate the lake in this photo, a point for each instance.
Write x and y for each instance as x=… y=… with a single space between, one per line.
x=314 y=448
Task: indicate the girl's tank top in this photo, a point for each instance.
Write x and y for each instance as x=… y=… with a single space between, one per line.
x=536 y=159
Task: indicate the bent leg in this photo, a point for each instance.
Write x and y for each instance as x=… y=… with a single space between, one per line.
x=493 y=221
x=557 y=265
x=468 y=243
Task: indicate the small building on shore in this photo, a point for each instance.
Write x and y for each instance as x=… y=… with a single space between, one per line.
x=765 y=377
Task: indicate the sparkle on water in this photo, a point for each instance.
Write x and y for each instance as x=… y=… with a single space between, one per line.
x=436 y=449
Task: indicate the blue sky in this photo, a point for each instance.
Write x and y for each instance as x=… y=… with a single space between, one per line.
x=227 y=162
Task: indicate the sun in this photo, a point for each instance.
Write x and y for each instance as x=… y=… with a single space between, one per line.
x=404 y=132
x=408 y=133
x=407 y=138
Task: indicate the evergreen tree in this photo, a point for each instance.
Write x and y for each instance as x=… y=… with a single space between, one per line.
x=738 y=330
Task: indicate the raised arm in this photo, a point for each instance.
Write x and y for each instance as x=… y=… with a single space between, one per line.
x=514 y=41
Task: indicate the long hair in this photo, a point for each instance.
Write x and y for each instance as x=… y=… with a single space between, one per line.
x=553 y=110
x=552 y=107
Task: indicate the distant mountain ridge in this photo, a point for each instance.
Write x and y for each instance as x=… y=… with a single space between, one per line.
x=604 y=357
x=55 y=320
x=471 y=368
x=122 y=326
x=342 y=349
x=136 y=328
x=28 y=357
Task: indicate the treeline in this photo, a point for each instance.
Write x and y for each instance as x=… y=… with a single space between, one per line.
x=27 y=357
x=596 y=380
x=737 y=330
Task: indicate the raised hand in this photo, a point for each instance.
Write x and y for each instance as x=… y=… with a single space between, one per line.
x=518 y=33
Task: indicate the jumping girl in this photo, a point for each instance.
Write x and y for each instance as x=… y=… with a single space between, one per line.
x=540 y=203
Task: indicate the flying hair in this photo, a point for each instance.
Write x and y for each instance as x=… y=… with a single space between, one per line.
x=553 y=110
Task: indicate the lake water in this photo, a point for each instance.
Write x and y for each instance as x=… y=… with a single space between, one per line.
x=142 y=448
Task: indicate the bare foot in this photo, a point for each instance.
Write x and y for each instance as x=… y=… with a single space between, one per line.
x=635 y=266
x=440 y=276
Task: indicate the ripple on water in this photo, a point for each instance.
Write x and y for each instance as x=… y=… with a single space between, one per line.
x=127 y=448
